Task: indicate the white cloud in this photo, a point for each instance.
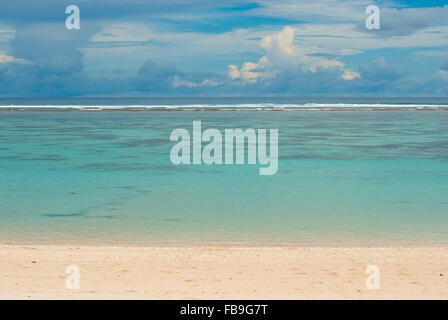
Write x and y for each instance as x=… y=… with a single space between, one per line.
x=250 y=71
x=10 y=59
x=281 y=42
x=282 y=53
x=350 y=75
x=234 y=73
x=329 y=28
x=189 y=51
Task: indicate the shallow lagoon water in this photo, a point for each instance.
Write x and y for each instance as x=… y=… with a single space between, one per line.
x=344 y=178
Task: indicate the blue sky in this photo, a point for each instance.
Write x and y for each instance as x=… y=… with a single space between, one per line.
x=223 y=48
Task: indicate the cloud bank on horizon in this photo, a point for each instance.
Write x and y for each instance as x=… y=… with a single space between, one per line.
x=223 y=48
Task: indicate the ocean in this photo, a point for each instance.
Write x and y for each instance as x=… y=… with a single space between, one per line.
x=346 y=176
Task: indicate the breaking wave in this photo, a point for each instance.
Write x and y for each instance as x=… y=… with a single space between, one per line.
x=233 y=107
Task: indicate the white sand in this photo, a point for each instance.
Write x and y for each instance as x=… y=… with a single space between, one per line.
x=222 y=273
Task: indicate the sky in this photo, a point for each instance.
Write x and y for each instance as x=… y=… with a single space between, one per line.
x=296 y=48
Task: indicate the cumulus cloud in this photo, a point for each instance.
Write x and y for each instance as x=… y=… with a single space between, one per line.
x=280 y=43
x=251 y=71
x=38 y=56
x=281 y=53
x=350 y=75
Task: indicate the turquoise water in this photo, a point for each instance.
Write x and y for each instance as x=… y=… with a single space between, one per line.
x=106 y=178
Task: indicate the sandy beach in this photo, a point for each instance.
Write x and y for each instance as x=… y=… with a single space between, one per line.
x=39 y=272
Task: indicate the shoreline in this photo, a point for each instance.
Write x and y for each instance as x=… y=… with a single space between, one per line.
x=207 y=244
x=129 y=272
